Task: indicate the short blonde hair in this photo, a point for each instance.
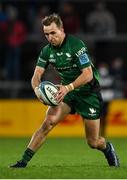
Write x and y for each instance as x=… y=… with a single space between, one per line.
x=52 y=18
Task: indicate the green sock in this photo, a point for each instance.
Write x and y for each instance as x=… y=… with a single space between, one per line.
x=27 y=156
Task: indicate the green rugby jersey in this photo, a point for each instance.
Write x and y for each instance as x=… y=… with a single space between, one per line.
x=68 y=59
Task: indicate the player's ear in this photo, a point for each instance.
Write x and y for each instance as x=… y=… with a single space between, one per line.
x=62 y=29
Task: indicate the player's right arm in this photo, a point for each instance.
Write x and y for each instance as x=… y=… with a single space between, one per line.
x=41 y=65
x=36 y=79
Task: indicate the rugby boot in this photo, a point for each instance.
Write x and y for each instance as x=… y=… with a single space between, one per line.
x=19 y=164
x=111 y=155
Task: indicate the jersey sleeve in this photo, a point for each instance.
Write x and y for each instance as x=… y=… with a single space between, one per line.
x=82 y=58
x=42 y=60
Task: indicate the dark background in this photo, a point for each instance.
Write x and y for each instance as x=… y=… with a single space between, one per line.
x=102 y=49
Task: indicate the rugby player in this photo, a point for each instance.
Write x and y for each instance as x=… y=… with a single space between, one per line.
x=79 y=90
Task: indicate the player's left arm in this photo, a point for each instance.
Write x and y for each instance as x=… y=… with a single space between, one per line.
x=85 y=77
x=82 y=60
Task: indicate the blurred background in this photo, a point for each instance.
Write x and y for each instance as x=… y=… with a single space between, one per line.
x=100 y=24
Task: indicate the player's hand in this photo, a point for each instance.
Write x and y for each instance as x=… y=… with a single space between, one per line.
x=61 y=93
x=37 y=93
x=58 y=86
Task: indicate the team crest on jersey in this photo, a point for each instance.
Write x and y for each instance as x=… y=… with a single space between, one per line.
x=59 y=54
x=92 y=111
x=68 y=55
x=51 y=56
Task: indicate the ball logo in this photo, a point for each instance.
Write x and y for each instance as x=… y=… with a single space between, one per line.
x=48 y=93
x=51 y=91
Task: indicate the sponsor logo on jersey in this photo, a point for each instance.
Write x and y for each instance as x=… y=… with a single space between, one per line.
x=68 y=59
x=66 y=67
x=81 y=51
x=41 y=60
x=52 y=60
x=83 y=58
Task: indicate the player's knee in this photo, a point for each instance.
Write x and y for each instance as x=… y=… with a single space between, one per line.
x=92 y=143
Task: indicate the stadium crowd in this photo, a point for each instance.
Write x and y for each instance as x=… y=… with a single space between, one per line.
x=21 y=38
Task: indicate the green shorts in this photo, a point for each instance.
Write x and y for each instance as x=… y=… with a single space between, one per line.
x=88 y=105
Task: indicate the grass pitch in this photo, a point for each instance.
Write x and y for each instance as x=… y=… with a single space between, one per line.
x=61 y=158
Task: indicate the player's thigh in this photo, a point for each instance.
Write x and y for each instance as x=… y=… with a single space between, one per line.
x=57 y=113
x=92 y=128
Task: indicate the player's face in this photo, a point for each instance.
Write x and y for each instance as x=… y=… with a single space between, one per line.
x=54 y=34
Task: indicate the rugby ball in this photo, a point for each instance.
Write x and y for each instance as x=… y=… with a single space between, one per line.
x=48 y=92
